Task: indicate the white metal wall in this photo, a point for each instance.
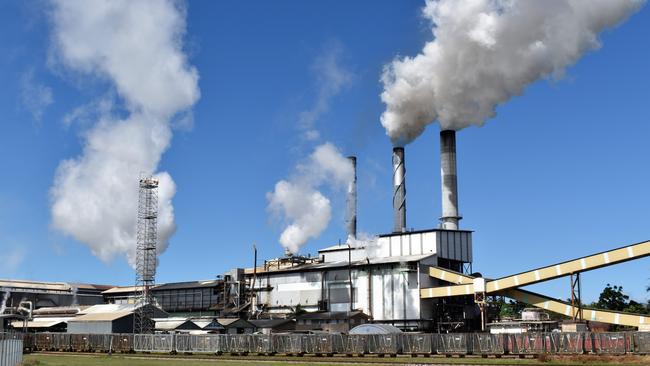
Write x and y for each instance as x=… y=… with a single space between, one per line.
x=90 y=327
x=450 y=244
x=386 y=292
x=11 y=352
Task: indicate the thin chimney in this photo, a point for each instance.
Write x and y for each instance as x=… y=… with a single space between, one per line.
x=450 y=216
x=399 y=190
x=352 y=201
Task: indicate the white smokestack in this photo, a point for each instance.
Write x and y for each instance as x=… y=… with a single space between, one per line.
x=299 y=201
x=483 y=53
x=135 y=45
x=399 y=190
x=450 y=216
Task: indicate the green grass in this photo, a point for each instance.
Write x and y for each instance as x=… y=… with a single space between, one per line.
x=203 y=360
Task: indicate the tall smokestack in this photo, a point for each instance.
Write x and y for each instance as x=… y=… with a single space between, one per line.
x=352 y=201
x=450 y=217
x=399 y=190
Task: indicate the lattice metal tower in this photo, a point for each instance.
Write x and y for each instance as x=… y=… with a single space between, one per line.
x=146 y=255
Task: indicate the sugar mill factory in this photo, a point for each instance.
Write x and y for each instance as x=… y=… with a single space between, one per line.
x=411 y=280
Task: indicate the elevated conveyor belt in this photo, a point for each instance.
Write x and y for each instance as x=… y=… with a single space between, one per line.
x=450 y=276
x=547 y=273
x=545 y=302
x=561 y=307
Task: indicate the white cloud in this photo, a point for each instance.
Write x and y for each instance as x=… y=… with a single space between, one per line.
x=137 y=46
x=34 y=96
x=332 y=78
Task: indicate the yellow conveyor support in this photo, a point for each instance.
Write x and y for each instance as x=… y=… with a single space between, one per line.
x=547 y=273
x=545 y=302
x=560 y=307
x=450 y=276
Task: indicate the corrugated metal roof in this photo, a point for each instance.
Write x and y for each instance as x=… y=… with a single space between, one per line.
x=98 y=317
x=174 y=323
x=19 y=324
x=340 y=264
x=187 y=285
x=50 y=286
x=165 y=286
x=119 y=290
x=108 y=308
x=235 y=322
x=202 y=323
x=207 y=323
x=41 y=322
x=56 y=286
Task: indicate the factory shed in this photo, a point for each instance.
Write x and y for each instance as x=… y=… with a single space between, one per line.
x=103 y=323
x=108 y=318
x=43 y=324
x=330 y=321
x=236 y=326
x=177 y=325
x=268 y=326
x=209 y=325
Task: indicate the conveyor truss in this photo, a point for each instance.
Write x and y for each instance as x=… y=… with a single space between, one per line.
x=509 y=286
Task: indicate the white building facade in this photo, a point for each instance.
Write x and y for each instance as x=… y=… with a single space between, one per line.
x=386 y=276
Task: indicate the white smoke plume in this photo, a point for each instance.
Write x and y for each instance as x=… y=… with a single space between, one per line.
x=483 y=53
x=298 y=200
x=136 y=46
x=368 y=242
x=3 y=302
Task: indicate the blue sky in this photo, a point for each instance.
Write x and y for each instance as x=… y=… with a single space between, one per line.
x=560 y=172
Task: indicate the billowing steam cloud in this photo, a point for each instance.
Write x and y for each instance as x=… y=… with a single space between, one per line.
x=298 y=199
x=135 y=45
x=483 y=53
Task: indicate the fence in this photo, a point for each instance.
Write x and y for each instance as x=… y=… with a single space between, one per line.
x=329 y=344
x=11 y=349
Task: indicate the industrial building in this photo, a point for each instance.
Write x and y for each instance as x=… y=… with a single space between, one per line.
x=413 y=280
x=381 y=278
x=47 y=294
x=192 y=298
x=386 y=276
x=108 y=318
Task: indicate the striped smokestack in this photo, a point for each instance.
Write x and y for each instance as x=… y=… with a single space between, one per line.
x=450 y=217
x=399 y=190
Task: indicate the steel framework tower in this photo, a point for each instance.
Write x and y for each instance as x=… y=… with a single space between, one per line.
x=147 y=237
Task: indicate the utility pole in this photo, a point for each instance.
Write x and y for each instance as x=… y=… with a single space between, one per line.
x=253 y=293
